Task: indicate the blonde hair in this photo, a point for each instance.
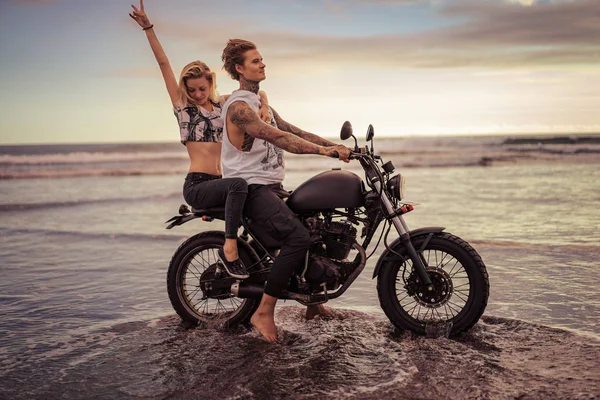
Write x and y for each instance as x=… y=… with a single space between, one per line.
x=197 y=69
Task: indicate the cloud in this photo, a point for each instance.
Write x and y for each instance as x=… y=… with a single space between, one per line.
x=396 y=1
x=24 y=2
x=487 y=34
x=524 y=2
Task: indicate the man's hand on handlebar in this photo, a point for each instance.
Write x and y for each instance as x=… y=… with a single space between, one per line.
x=338 y=151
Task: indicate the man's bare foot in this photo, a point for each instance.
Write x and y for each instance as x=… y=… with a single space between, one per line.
x=265 y=324
x=319 y=309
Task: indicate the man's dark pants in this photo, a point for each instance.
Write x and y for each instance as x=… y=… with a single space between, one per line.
x=265 y=207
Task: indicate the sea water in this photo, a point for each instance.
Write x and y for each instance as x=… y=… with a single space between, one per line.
x=85 y=313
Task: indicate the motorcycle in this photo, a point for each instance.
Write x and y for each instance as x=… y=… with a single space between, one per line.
x=425 y=277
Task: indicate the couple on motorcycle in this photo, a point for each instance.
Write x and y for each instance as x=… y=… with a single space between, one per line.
x=247 y=137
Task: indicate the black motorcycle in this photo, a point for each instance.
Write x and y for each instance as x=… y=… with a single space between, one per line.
x=426 y=277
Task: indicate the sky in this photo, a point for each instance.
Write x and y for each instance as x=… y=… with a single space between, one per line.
x=81 y=71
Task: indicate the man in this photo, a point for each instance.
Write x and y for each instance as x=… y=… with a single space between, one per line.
x=253 y=150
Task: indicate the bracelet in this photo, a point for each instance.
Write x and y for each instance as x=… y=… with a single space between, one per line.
x=148 y=27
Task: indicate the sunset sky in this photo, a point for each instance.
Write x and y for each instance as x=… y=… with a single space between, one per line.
x=81 y=71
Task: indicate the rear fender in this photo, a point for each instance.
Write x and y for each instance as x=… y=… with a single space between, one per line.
x=185 y=215
x=396 y=245
x=182 y=219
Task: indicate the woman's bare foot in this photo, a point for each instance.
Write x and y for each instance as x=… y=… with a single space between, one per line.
x=265 y=324
x=319 y=309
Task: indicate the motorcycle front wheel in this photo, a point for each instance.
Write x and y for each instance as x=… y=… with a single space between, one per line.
x=460 y=286
x=198 y=292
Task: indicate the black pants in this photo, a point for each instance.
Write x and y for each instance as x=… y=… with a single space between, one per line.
x=205 y=191
x=265 y=207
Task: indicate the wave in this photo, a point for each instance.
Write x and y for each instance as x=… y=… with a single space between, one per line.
x=412 y=152
x=92 y=172
x=83 y=202
x=89 y=158
x=574 y=139
x=93 y=235
x=537 y=247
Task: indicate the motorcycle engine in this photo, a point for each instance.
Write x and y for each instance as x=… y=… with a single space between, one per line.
x=332 y=242
x=333 y=239
x=322 y=270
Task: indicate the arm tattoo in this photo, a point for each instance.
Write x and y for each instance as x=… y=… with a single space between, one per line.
x=245 y=118
x=311 y=137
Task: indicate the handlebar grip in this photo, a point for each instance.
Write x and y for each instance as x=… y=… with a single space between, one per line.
x=335 y=154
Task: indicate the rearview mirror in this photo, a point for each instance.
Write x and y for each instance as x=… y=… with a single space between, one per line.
x=346 y=131
x=370 y=132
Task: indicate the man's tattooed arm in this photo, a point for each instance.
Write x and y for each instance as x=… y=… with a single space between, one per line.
x=241 y=115
x=294 y=130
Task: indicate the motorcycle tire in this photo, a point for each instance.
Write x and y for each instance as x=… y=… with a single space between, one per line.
x=460 y=280
x=195 y=261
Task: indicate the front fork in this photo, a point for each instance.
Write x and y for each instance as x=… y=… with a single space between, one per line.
x=418 y=263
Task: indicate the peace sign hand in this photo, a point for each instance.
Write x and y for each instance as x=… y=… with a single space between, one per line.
x=139 y=15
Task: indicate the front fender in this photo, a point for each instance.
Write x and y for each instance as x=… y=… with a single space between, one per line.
x=388 y=255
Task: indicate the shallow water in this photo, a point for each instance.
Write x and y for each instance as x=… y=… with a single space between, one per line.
x=355 y=355
x=86 y=314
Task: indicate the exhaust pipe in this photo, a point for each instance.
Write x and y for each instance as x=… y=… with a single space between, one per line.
x=250 y=291
x=247 y=291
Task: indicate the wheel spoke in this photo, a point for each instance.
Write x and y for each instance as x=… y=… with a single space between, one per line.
x=195 y=273
x=464 y=284
x=460 y=297
x=451 y=313
x=201 y=301
x=456 y=307
x=464 y=292
x=454 y=266
x=413 y=309
x=233 y=301
x=453 y=275
x=407 y=295
x=193 y=293
x=438 y=313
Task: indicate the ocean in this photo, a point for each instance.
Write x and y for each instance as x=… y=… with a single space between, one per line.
x=85 y=311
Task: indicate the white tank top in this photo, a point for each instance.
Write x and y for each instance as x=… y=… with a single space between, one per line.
x=262 y=163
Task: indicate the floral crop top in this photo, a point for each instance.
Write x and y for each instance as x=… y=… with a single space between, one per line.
x=199 y=125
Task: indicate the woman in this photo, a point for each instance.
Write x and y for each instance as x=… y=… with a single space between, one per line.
x=198 y=110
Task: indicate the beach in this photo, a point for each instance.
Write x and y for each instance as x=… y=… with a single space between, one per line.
x=86 y=312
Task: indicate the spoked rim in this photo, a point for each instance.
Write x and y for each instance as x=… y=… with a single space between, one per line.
x=200 y=262
x=450 y=296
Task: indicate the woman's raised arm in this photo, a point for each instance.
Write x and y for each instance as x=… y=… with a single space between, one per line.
x=139 y=15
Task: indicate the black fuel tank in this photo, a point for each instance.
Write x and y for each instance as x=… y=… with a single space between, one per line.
x=326 y=191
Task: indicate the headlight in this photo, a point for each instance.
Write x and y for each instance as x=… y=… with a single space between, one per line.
x=395 y=186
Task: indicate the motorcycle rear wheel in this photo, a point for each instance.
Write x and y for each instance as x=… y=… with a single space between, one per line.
x=461 y=286
x=195 y=261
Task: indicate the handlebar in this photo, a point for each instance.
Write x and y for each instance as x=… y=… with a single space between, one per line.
x=353 y=155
